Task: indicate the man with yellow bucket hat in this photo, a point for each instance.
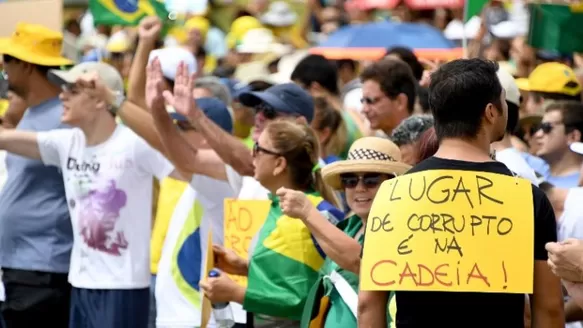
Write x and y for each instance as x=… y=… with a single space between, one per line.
x=34 y=217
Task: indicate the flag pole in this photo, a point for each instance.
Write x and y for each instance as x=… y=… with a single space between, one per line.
x=464 y=34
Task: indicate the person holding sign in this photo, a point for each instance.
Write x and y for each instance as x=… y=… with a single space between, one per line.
x=285 y=256
x=462 y=235
x=334 y=297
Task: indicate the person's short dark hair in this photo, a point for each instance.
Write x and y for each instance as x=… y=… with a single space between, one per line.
x=242 y=13
x=572 y=114
x=43 y=70
x=513 y=115
x=352 y=64
x=394 y=77
x=316 y=68
x=423 y=96
x=200 y=54
x=459 y=92
x=408 y=57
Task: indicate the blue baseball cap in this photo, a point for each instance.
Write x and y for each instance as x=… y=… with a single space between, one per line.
x=286 y=98
x=215 y=110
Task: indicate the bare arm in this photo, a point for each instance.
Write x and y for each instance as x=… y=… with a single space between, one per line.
x=547 y=299
x=187 y=159
x=148 y=33
x=575 y=290
x=372 y=309
x=23 y=143
x=338 y=246
x=230 y=149
x=141 y=122
x=573 y=312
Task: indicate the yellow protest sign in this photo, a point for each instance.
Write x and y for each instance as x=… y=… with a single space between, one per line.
x=449 y=230
x=243 y=219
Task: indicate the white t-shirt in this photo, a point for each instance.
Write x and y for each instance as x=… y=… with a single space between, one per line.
x=247 y=188
x=109 y=192
x=516 y=163
x=570 y=224
x=181 y=266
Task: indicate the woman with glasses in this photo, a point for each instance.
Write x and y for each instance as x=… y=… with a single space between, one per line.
x=285 y=257
x=370 y=162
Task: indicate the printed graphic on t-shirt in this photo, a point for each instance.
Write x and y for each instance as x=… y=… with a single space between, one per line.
x=100 y=202
x=99 y=213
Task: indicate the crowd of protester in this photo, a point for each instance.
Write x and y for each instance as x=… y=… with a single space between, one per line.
x=117 y=169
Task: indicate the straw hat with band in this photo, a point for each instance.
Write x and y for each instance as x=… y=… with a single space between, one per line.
x=35 y=44
x=369 y=154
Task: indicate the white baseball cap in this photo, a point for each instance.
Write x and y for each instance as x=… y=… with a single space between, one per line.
x=577 y=147
x=509 y=84
x=107 y=73
x=171 y=57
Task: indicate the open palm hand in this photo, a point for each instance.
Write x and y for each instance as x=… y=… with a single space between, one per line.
x=182 y=99
x=154 y=85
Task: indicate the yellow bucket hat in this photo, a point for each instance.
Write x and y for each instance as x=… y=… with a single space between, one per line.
x=551 y=78
x=35 y=44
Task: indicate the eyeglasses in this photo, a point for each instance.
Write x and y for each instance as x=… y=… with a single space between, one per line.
x=370 y=100
x=369 y=180
x=258 y=149
x=269 y=112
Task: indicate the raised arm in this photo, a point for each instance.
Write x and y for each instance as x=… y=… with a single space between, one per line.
x=228 y=147
x=149 y=31
x=187 y=159
x=23 y=143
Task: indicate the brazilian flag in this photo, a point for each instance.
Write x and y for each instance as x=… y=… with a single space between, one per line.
x=125 y=12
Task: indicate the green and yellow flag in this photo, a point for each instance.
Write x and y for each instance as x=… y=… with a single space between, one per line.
x=125 y=12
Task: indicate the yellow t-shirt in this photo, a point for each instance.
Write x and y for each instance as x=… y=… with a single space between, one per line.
x=170 y=192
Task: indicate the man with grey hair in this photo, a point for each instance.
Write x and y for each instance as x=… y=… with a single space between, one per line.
x=408 y=132
x=212 y=87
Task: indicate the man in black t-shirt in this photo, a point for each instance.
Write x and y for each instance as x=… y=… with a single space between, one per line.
x=470 y=112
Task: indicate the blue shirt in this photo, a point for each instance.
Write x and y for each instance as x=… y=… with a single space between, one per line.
x=35 y=227
x=543 y=169
x=537 y=164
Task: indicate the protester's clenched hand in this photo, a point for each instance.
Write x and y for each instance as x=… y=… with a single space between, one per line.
x=182 y=99
x=228 y=261
x=154 y=86
x=294 y=203
x=150 y=28
x=566 y=259
x=220 y=289
x=91 y=84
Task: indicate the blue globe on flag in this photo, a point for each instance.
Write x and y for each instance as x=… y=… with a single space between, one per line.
x=127 y=6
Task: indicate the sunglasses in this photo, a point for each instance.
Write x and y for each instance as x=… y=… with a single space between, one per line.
x=258 y=149
x=269 y=112
x=546 y=127
x=369 y=180
x=370 y=100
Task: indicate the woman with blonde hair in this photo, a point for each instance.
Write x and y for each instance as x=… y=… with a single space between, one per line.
x=334 y=296
x=284 y=256
x=331 y=130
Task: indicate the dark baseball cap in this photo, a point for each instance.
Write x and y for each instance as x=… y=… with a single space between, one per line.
x=215 y=110
x=286 y=98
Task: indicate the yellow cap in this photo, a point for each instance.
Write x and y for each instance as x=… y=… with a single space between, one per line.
x=35 y=44
x=240 y=27
x=199 y=23
x=551 y=78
